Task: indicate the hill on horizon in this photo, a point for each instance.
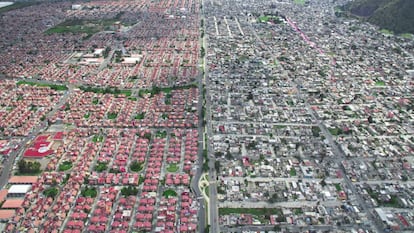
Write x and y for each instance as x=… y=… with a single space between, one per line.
x=393 y=15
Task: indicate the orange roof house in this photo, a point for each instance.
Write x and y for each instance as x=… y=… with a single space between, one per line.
x=12 y=204
x=23 y=179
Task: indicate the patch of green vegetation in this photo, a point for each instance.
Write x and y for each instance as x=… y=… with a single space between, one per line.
x=335 y=131
x=316 y=131
x=167 y=100
x=97 y=138
x=298 y=211
x=252 y=211
x=89 y=192
x=115 y=91
x=279 y=126
x=393 y=15
x=169 y=193
x=136 y=166
x=51 y=192
x=338 y=9
x=28 y=167
x=129 y=191
x=84 y=26
x=380 y=83
x=95 y=101
x=300 y=2
x=338 y=187
x=132 y=78
x=66 y=165
x=101 y=166
x=87 y=115
x=292 y=171
x=264 y=18
x=385 y=202
x=67 y=107
x=112 y=115
x=147 y=136
x=33 y=108
x=141 y=180
x=140 y=116
x=251 y=145
x=386 y=32
x=161 y=134
x=114 y=170
x=407 y=36
x=133 y=98
x=65 y=180
x=157 y=90
x=207 y=191
x=51 y=86
x=172 y=167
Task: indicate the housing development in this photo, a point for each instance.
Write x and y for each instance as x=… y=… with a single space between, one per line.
x=203 y=116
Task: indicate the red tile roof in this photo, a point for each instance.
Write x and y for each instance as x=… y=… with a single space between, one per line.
x=12 y=203
x=3 y=194
x=6 y=214
x=23 y=179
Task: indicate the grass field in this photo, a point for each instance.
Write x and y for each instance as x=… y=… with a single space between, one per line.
x=52 y=86
x=300 y=2
x=386 y=32
x=169 y=193
x=65 y=166
x=172 y=168
x=407 y=36
x=80 y=26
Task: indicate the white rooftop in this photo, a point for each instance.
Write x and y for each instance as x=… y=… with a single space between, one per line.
x=19 y=188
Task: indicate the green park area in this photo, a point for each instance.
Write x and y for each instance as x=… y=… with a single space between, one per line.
x=51 y=192
x=157 y=90
x=89 y=192
x=300 y=2
x=66 y=165
x=169 y=193
x=112 y=115
x=386 y=32
x=172 y=168
x=407 y=36
x=139 y=116
x=136 y=166
x=97 y=138
x=115 y=91
x=84 y=26
x=38 y=84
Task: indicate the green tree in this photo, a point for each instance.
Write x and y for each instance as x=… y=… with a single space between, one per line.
x=129 y=191
x=51 y=192
x=136 y=166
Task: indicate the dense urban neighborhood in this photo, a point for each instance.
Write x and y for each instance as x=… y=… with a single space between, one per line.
x=203 y=116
